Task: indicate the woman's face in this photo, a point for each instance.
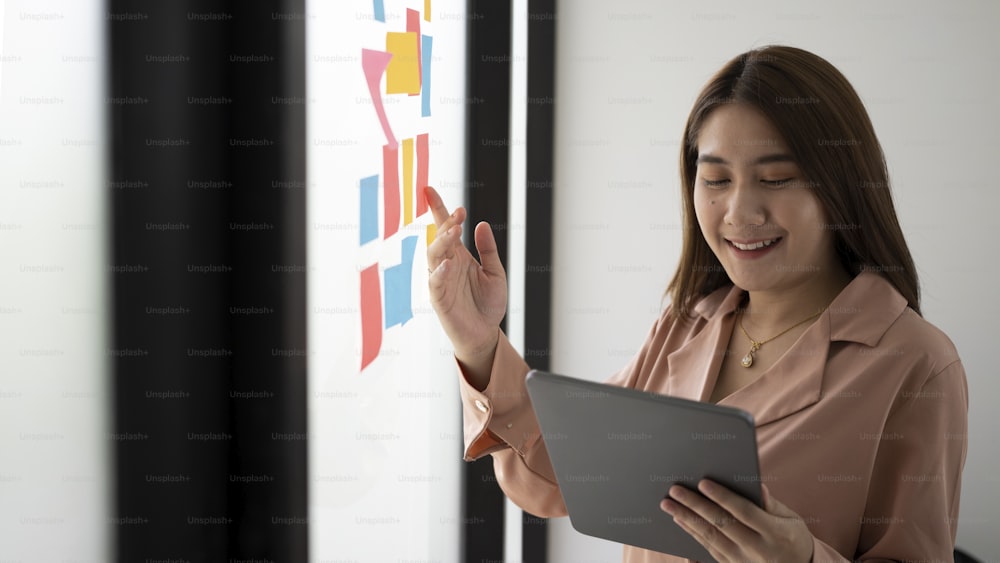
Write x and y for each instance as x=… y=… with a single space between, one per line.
x=755 y=208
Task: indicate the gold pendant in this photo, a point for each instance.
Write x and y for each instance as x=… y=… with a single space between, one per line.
x=747 y=360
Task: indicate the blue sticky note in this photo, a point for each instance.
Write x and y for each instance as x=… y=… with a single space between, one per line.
x=408 y=250
x=379 y=9
x=425 y=63
x=369 y=209
x=398 y=283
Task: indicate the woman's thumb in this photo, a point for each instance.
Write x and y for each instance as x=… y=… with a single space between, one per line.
x=772 y=505
x=486 y=244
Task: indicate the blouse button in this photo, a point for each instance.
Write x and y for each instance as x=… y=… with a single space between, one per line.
x=481 y=406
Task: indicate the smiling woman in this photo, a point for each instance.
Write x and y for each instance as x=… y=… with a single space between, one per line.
x=797 y=109
x=860 y=405
x=762 y=223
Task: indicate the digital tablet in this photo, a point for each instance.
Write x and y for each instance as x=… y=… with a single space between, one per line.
x=616 y=452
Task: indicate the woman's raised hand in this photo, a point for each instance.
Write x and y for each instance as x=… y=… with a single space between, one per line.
x=469 y=298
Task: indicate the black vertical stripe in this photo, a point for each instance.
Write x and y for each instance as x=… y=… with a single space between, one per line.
x=539 y=185
x=209 y=422
x=486 y=195
x=268 y=378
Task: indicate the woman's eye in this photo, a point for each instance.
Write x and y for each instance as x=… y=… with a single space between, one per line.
x=713 y=183
x=777 y=183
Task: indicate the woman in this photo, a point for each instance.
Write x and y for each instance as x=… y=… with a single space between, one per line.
x=796 y=299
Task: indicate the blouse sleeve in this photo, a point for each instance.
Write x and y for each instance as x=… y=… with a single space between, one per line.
x=912 y=508
x=500 y=421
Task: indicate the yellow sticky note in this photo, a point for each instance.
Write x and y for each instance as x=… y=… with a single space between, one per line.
x=432 y=231
x=402 y=76
x=407 y=181
x=427 y=10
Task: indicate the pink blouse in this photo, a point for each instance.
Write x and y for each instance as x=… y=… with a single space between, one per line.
x=861 y=424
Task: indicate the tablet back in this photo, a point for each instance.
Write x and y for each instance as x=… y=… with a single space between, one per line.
x=617 y=451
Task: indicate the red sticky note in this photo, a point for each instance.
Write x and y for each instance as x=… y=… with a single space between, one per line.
x=413 y=24
x=422 y=172
x=371 y=315
x=390 y=189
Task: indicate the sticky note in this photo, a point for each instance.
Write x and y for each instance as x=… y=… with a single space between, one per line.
x=403 y=71
x=398 y=284
x=379 y=10
x=371 y=315
x=422 y=173
x=369 y=209
x=390 y=190
x=407 y=181
x=374 y=64
x=425 y=88
x=432 y=230
x=413 y=26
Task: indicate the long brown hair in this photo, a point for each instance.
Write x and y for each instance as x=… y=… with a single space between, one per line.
x=825 y=125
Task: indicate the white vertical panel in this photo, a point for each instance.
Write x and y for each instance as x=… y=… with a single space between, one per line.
x=518 y=162
x=385 y=443
x=54 y=384
x=515 y=227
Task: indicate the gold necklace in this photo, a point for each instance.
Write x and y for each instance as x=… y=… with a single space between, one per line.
x=755 y=345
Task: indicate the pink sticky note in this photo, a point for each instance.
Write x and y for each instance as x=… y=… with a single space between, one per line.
x=374 y=64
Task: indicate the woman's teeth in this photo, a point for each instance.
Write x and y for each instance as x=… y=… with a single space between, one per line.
x=755 y=245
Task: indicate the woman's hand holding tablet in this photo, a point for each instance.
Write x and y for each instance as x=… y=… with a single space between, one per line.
x=732 y=528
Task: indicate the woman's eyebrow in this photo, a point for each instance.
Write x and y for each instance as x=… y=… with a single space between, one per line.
x=766 y=159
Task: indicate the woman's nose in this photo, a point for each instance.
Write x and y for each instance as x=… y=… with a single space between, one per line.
x=745 y=205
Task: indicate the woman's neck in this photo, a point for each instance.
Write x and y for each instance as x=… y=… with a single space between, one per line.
x=772 y=311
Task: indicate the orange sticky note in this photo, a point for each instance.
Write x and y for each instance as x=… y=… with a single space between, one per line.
x=403 y=72
x=407 y=181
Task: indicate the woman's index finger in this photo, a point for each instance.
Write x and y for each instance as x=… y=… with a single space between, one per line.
x=436 y=204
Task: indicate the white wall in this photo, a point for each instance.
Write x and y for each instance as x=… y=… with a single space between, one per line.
x=627 y=75
x=54 y=389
